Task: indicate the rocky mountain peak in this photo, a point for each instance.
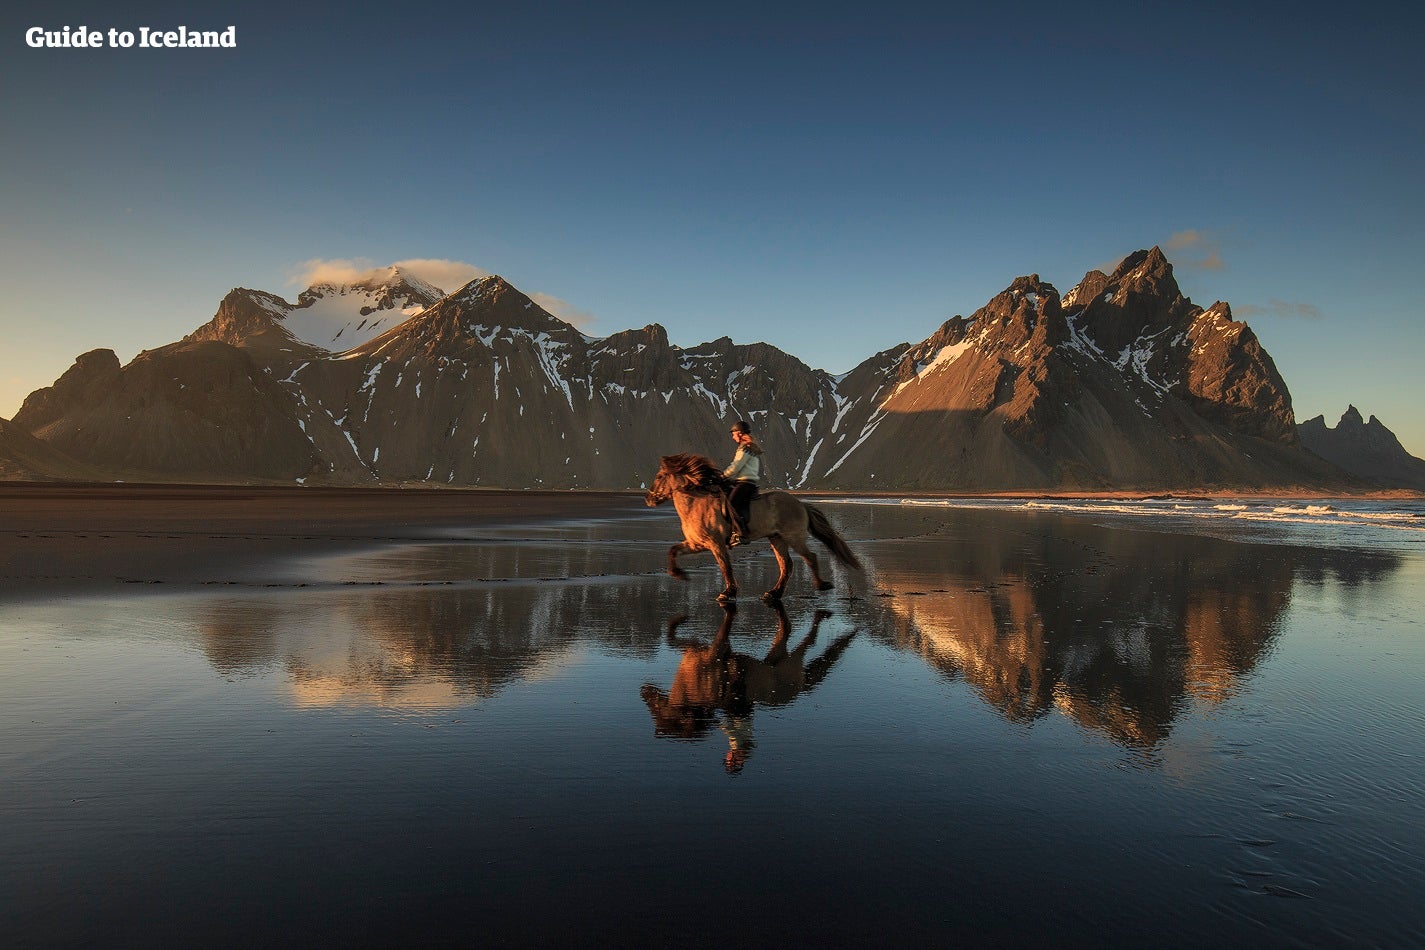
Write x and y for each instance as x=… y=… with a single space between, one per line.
x=1367 y=449
x=390 y=286
x=1028 y=309
x=397 y=282
x=86 y=381
x=247 y=318
x=648 y=344
x=652 y=335
x=485 y=309
x=1093 y=285
x=494 y=301
x=485 y=288
x=1140 y=299
x=1151 y=264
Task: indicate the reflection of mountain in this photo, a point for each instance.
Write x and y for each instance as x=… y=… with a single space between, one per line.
x=425 y=647
x=1116 y=629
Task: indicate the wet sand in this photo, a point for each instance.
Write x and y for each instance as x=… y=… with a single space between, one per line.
x=470 y=717
x=65 y=539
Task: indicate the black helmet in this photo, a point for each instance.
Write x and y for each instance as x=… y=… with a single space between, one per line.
x=740 y=426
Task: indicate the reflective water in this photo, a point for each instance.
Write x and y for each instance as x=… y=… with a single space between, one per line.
x=1020 y=728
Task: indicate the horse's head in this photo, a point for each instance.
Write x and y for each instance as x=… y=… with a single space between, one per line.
x=664 y=484
x=676 y=721
x=686 y=472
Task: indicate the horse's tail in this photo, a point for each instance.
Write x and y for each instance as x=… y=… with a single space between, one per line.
x=822 y=530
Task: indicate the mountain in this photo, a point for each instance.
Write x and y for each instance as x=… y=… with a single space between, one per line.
x=26 y=458
x=1366 y=449
x=1121 y=383
x=327 y=317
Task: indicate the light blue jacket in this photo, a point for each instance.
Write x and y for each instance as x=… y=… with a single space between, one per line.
x=745 y=467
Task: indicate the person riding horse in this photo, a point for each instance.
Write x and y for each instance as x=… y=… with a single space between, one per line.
x=694 y=484
x=745 y=470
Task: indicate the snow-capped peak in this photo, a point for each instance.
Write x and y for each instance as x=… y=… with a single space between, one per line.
x=338 y=317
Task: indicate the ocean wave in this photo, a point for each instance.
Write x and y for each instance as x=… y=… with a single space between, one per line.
x=1349 y=523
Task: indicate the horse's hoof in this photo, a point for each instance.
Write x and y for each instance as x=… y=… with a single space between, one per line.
x=771 y=597
x=726 y=598
x=680 y=575
x=826 y=585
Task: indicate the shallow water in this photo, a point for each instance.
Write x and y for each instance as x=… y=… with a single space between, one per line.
x=1021 y=727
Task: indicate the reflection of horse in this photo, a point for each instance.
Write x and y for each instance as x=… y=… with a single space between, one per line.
x=693 y=482
x=712 y=679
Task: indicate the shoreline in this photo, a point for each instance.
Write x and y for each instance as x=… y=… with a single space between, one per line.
x=58 y=539
x=1384 y=494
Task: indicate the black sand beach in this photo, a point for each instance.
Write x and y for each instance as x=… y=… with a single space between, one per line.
x=238 y=716
x=57 y=539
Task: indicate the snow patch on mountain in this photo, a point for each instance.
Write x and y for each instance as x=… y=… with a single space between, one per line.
x=340 y=318
x=942 y=358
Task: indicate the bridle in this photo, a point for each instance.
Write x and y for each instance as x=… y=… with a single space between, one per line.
x=660 y=492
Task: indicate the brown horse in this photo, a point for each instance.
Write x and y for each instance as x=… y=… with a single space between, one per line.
x=695 y=486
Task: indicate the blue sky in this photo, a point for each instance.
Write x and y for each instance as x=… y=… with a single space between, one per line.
x=831 y=178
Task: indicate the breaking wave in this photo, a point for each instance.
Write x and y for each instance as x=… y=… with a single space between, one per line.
x=1351 y=523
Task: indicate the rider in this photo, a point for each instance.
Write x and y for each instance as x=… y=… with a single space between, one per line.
x=745 y=470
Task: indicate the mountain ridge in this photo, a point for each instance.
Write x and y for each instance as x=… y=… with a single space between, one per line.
x=1127 y=385
x=1365 y=449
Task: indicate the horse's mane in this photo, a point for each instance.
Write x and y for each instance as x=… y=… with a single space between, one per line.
x=698 y=470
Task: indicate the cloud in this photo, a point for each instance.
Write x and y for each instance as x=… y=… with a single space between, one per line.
x=447 y=275
x=563 y=310
x=1280 y=308
x=1194 y=249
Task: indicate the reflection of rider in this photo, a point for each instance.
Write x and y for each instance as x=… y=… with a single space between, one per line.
x=738 y=729
x=745 y=470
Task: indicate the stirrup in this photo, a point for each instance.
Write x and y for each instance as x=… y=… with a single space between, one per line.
x=735 y=539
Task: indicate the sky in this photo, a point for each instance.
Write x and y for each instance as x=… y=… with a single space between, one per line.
x=833 y=179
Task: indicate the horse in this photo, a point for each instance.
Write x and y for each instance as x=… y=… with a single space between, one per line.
x=713 y=681
x=695 y=486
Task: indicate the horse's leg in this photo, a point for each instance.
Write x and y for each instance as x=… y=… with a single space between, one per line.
x=784 y=566
x=800 y=546
x=724 y=562
x=673 y=552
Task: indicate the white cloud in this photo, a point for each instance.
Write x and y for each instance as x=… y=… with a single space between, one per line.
x=563 y=310
x=331 y=271
x=1280 y=308
x=445 y=274
x=448 y=275
x=1195 y=249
